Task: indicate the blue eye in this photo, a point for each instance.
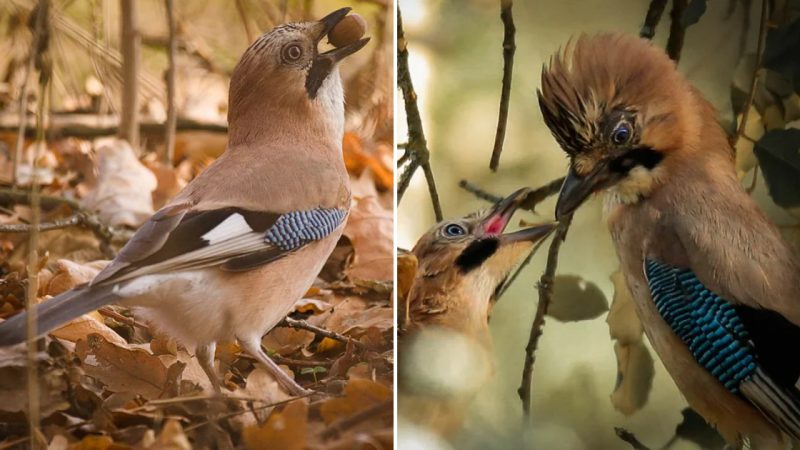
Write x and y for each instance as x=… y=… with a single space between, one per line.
x=453 y=230
x=621 y=134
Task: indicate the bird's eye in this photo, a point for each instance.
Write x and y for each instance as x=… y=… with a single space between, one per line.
x=621 y=134
x=292 y=52
x=454 y=230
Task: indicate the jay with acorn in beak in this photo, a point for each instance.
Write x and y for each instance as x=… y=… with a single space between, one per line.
x=714 y=284
x=444 y=321
x=229 y=256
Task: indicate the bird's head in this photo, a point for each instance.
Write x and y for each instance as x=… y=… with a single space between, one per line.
x=476 y=248
x=284 y=70
x=619 y=109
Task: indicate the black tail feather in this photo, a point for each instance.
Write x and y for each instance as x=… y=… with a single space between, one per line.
x=54 y=312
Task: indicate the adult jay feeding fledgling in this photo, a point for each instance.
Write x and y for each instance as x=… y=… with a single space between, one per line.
x=716 y=288
x=229 y=256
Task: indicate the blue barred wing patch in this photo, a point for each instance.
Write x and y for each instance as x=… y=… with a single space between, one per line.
x=706 y=323
x=294 y=229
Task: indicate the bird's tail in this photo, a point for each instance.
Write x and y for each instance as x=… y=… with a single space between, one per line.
x=780 y=404
x=56 y=311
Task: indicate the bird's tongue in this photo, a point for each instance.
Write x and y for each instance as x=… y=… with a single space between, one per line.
x=496 y=224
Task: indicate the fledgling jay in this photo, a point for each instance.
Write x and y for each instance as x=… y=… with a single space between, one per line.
x=230 y=255
x=716 y=288
x=462 y=264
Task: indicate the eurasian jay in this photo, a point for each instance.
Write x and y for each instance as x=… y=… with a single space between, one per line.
x=230 y=255
x=462 y=264
x=716 y=288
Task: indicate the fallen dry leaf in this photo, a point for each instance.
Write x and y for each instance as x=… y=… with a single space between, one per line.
x=576 y=299
x=370 y=228
x=122 y=369
x=68 y=274
x=285 y=429
x=85 y=325
x=635 y=373
x=623 y=322
x=122 y=196
x=285 y=341
x=359 y=394
x=172 y=437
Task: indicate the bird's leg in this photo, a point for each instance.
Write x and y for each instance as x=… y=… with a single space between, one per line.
x=254 y=348
x=205 y=356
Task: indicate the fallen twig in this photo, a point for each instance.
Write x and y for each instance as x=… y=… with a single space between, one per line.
x=762 y=38
x=509 y=47
x=630 y=438
x=545 y=287
x=417 y=153
x=303 y=325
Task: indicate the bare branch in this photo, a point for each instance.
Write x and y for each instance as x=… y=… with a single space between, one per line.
x=676 y=29
x=630 y=438
x=172 y=115
x=130 y=41
x=545 y=287
x=654 y=12
x=417 y=146
x=509 y=47
x=762 y=38
x=531 y=200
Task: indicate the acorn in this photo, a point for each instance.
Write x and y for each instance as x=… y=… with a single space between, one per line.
x=349 y=30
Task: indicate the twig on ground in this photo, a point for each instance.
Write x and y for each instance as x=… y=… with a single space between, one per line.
x=677 y=30
x=654 y=12
x=236 y=413
x=108 y=312
x=417 y=153
x=374 y=411
x=545 y=287
x=630 y=438
x=81 y=217
x=762 y=38
x=509 y=47
x=303 y=325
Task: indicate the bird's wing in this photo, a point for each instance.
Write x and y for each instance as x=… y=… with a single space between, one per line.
x=743 y=347
x=234 y=239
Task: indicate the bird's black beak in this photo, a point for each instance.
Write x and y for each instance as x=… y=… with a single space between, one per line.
x=576 y=189
x=324 y=63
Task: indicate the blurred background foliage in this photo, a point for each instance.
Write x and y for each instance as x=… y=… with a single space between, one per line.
x=456 y=65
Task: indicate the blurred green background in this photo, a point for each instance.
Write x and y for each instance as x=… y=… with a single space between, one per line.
x=456 y=65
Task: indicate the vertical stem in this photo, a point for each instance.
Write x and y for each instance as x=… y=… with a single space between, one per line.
x=43 y=64
x=130 y=42
x=23 y=100
x=509 y=48
x=172 y=49
x=545 y=296
x=676 y=29
x=751 y=94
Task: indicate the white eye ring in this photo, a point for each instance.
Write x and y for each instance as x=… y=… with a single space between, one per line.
x=453 y=230
x=292 y=52
x=621 y=134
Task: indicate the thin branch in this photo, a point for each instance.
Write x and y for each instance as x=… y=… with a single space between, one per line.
x=108 y=312
x=751 y=95
x=130 y=41
x=630 y=438
x=545 y=287
x=303 y=325
x=57 y=224
x=236 y=413
x=477 y=191
x=676 y=29
x=529 y=203
x=41 y=62
x=654 y=12
x=172 y=115
x=417 y=145
x=509 y=47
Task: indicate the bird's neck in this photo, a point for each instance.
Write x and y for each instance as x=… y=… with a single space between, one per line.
x=303 y=125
